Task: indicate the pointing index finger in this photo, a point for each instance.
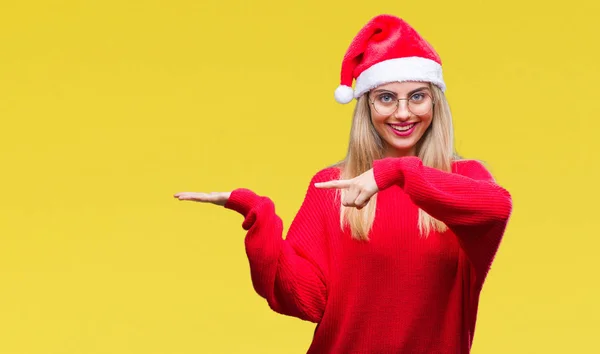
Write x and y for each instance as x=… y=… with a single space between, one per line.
x=333 y=184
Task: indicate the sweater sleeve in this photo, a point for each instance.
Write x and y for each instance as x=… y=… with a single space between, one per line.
x=468 y=201
x=289 y=273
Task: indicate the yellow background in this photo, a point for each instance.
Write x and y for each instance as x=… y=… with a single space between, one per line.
x=110 y=107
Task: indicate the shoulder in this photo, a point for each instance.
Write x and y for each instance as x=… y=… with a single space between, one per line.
x=472 y=168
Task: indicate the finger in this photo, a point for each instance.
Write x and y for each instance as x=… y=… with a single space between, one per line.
x=363 y=199
x=188 y=196
x=199 y=197
x=334 y=184
x=181 y=194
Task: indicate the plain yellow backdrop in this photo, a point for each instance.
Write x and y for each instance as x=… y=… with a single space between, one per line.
x=110 y=107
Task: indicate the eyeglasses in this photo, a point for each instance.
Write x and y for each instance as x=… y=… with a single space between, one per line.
x=386 y=103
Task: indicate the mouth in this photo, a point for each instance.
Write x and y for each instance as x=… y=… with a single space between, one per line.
x=404 y=129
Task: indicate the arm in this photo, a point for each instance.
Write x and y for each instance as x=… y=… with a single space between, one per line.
x=290 y=274
x=469 y=202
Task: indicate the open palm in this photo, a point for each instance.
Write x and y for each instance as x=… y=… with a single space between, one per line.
x=218 y=198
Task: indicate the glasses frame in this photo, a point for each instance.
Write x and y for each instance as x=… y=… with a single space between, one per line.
x=407 y=105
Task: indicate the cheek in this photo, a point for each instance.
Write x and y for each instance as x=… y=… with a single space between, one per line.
x=380 y=126
x=377 y=119
x=426 y=122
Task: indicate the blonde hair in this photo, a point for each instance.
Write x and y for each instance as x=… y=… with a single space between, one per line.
x=435 y=149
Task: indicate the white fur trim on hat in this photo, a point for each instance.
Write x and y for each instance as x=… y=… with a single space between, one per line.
x=398 y=70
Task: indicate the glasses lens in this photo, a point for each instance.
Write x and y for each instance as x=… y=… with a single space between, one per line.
x=385 y=107
x=420 y=104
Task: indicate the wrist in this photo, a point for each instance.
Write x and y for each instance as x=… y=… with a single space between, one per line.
x=242 y=200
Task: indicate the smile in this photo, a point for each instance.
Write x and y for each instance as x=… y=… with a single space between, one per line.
x=403 y=130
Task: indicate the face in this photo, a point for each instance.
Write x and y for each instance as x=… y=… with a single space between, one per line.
x=401 y=128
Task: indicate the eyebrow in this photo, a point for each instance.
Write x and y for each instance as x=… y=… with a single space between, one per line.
x=410 y=93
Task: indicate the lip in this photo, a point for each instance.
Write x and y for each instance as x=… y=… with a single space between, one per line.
x=405 y=133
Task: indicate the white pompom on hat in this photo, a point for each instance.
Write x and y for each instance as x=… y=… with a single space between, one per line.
x=387 y=49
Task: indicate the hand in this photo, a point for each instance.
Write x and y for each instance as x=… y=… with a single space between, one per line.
x=359 y=190
x=217 y=198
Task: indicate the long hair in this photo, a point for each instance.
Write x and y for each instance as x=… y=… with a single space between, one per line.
x=435 y=149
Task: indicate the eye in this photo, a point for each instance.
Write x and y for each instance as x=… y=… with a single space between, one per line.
x=418 y=97
x=386 y=98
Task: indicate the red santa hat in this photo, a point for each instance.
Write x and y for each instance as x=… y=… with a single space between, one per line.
x=387 y=49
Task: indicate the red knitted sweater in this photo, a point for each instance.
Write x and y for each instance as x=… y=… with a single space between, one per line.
x=399 y=292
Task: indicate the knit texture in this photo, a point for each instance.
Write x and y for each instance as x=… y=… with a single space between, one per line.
x=399 y=292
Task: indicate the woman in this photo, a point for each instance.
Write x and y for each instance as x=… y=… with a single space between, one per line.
x=390 y=248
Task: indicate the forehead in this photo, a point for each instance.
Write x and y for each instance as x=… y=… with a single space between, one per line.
x=402 y=87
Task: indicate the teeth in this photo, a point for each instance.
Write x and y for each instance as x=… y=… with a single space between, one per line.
x=404 y=128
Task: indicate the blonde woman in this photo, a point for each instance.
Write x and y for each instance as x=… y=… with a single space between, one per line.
x=391 y=247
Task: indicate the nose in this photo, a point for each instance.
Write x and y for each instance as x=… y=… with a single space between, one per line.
x=402 y=112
